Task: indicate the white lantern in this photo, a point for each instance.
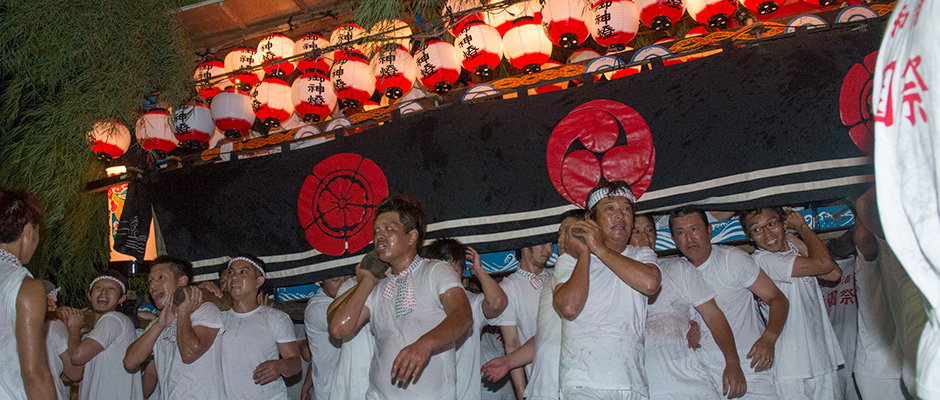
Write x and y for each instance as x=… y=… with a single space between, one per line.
x=232 y=113
x=317 y=59
x=714 y=13
x=438 y=65
x=193 y=125
x=273 y=48
x=615 y=23
x=394 y=70
x=344 y=35
x=242 y=60
x=583 y=54
x=109 y=139
x=454 y=13
x=501 y=17
x=313 y=96
x=390 y=31
x=526 y=45
x=566 y=21
x=209 y=78
x=271 y=101
x=352 y=78
x=154 y=132
x=479 y=48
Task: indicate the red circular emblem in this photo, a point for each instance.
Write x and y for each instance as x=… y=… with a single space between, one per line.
x=855 y=103
x=600 y=138
x=337 y=203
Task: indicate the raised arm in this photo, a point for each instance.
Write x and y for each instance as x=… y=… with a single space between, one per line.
x=138 y=351
x=864 y=237
x=818 y=262
x=762 y=352
x=193 y=341
x=412 y=359
x=733 y=383
x=30 y=340
x=569 y=296
x=644 y=278
x=348 y=313
x=80 y=351
x=494 y=298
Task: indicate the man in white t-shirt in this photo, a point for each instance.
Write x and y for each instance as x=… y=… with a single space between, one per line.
x=484 y=306
x=103 y=349
x=808 y=352
x=259 y=347
x=57 y=346
x=417 y=312
x=351 y=376
x=184 y=340
x=522 y=288
x=324 y=350
x=735 y=278
x=601 y=289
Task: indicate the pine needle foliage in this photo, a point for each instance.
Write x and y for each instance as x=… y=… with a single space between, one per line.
x=64 y=64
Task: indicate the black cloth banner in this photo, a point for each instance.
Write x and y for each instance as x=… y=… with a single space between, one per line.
x=761 y=124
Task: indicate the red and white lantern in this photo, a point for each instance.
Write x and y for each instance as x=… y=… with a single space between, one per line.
x=714 y=13
x=109 y=139
x=615 y=23
x=242 y=60
x=660 y=14
x=390 y=31
x=154 y=132
x=697 y=31
x=438 y=66
x=352 y=78
x=394 y=70
x=273 y=48
x=209 y=78
x=317 y=60
x=232 y=113
x=762 y=7
x=456 y=8
x=526 y=45
x=479 y=48
x=271 y=101
x=566 y=22
x=501 y=18
x=343 y=35
x=313 y=96
x=555 y=86
x=583 y=54
x=193 y=125
x=821 y=3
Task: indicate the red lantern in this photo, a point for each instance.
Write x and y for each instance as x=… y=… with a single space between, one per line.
x=821 y=3
x=438 y=65
x=615 y=23
x=242 y=60
x=501 y=18
x=456 y=8
x=762 y=7
x=232 y=113
x=109 y=139
x=343 y=35
x=352 y=78
x=697 y=31
x=553 y=87
x=316 y=60
x=313 y=96
x=209 y=79
x=479 y=48
x=394 y=70
x=193 y=125
x=660 y=14
x=273 y=48
x=154 y=133
x=271 y=101
x=526 y=45
x=566 y=22
x=714 y=13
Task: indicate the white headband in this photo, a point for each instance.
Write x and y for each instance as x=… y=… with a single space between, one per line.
x=248 y=260
x=123 y=289
x=54 y=293
x=606 y=192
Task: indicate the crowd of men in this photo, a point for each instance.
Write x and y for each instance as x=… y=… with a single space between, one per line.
x=611 y=320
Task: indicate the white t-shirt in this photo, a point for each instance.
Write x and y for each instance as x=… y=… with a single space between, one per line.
x=877 y=352
x=200 y=380
x=105 y=377
x=907 y=166
x=324 y=350
x=842 y=305
x=603 y=347
x=523 y=306
x=730 y=271
x=57 y=342
x=351 y=378
x=543 y=381
x=392 y=334
x=807 y=346
x=491 y=346
x=468 y=352
x=672 y=367
x=11 y=277
x=250 y=339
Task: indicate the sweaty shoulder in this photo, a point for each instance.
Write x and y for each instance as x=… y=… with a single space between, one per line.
x=642 y=254
x=442 y=276
x=739 y=265
x=208 y=315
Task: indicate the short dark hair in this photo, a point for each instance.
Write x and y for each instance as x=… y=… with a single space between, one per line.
x=446 y=249
x=17 y=208
x=681 y=212
x=114 y=274
x=179 y=266
x=409 y=211
x=256 y=260
x=612 y=186
x=648 y=217
x=576 y=214
x=744 y=214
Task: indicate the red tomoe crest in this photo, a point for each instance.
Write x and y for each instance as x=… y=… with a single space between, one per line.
x=337 y=203
x=600 y=138
x=855 y=103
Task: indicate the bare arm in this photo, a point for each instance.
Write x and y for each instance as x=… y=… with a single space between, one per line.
x=411 y=360
x=308 y=384
x=644 y=278
x=80 y=351
x=30 y=340
x=818 y=262
x=288 y=365
x=304 y=350
x=348 y=313
x=192 y=341
x=497 y=368
x=864 y=238
x=149 y=379
x=511 y=344
x=762 y=352
x=733 y=383
x=569 y=296
x=494 y=298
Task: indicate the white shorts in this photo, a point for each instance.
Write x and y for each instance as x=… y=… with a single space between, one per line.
x=879 y=388
x=585 y=393
x=823 y=387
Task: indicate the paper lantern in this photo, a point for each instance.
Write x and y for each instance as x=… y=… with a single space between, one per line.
x=762 y=7
x=479 y=48
x=456 y=9
x=242 y=60
x=501 y=18
x=154 y=132
x=316 y=60
x=313 y=96
x=714 y=13
x=555 y=86
x=193 y=125
x=209 y=78
x=821 y=3
x=526 y=45
x=583 y=54
x=232 y=113
x=566 y=22
x=615 y=23
x=438 y=65
x=697 y=31
x=271 y=101
x=390 y=31
x=109 y=139
x=660 y=14
x=352 y=78
x=344 y=35
x=394 y=70
x=273 y=48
